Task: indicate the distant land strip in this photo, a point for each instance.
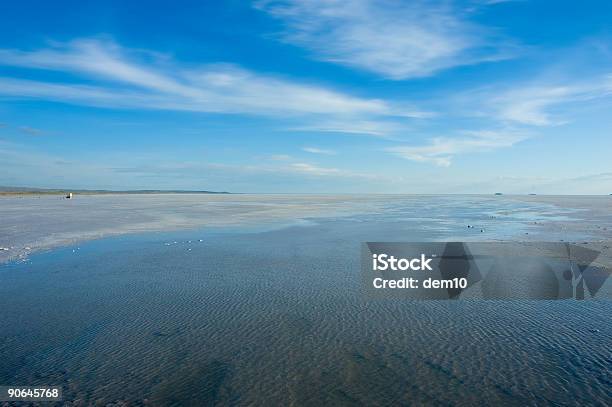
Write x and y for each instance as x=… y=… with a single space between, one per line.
x=58 y=191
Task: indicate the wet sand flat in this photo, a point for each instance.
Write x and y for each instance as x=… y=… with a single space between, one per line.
x=31 y=223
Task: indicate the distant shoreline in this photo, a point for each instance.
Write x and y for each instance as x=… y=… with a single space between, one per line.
x=27 y=191
x=4 y=191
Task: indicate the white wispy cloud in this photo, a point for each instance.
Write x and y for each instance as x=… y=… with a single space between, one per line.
x=30 y=130
x=395 y=39
x=490 y=2
x=378 y=128
x=316 y=150
x=107 y=75
x=284 y=169
x=280 y=157
x=441 y=150
x=313 y=170
x=532 y=104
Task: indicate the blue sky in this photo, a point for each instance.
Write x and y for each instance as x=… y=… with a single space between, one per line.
x=314 y=96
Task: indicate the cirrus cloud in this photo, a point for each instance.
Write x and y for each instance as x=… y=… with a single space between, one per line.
x=441 y=150
x=104 y=74
x=397 y=40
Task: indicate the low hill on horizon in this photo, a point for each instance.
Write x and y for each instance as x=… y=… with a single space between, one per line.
x=7 y=190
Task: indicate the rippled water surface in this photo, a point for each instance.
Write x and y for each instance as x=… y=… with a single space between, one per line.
x=276 y=317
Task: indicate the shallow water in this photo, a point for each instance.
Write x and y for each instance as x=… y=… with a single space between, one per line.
x=275 y=316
